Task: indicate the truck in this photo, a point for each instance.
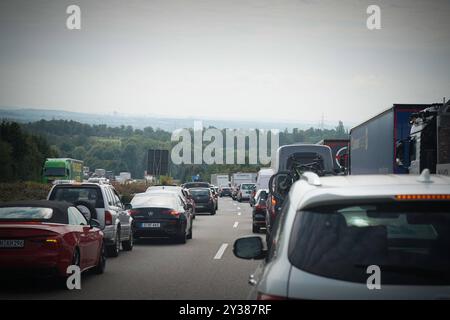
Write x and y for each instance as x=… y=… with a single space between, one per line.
x=263 y=177
x=100 y=173
x=339 y=149
x=220 y=180
x=242 y=177
x=373 y=143
x=62 y=169
x=428 y=142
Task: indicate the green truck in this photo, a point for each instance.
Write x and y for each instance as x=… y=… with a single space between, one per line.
x=62 y=169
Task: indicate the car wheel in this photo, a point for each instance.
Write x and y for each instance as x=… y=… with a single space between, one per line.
x=255 y=229
x=114 y=249
x=128 y=244
x=213 y=212
x=100 y=267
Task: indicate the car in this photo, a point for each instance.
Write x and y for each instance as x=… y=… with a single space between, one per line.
x=225 y=192
x=335 y=234
x=259 y=210
x=44 y=238
x=216 y=196
x=204 y=200
x=235 y=191
x=190 y=185
x=160 y=215
x=101 y=202
x=245 y=191
x=183 y=193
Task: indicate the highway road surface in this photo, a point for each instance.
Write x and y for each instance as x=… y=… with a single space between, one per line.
x=203 y=268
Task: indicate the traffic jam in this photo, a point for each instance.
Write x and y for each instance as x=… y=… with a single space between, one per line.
x=310 y=222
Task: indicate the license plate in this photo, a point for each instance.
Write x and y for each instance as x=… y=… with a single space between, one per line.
x=12 y=243
x=151 y=225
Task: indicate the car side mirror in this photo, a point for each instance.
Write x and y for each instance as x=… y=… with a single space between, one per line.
x=94 y=223
x=128 y=206
x=249 y=248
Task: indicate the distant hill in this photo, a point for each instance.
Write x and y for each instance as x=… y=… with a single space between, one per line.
x=138 y=121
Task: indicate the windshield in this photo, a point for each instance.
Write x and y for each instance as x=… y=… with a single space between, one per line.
x=59 y=172
x=247 y=186
x=25 y=213
x=409 y=242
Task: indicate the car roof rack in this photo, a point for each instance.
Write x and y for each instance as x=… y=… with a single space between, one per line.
x=312 y=178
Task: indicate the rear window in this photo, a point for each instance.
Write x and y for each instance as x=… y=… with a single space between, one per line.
x=247 y=186
x=54 y=171
x=159 y=201
x=409 y=242
x=190 y=185
x=25 y=213
x=200 y=192
x=263 y=195
x=92 y=195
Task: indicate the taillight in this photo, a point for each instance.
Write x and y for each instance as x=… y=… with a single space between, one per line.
x=133 y=212
x=108 y=218
x=260 y=206
x=263 y=296
x=173 y=213
x=274 y=202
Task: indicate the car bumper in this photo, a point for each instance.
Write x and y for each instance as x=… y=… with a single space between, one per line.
x=166 y=229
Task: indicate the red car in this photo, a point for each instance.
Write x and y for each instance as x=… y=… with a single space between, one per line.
x=45 y=237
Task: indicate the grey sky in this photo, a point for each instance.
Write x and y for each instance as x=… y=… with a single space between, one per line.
x=265 y=59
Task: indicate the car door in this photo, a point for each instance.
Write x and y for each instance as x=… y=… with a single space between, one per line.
x=124 y=218
x=81 y=234
x=91 y=238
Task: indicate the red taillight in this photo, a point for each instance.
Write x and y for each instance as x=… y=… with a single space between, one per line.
x=263 y=296
x=173 y=213
x=260 y=206
x=133 y=212
x=108 y=218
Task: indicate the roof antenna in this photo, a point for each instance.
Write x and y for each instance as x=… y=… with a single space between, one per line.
x=425 y=176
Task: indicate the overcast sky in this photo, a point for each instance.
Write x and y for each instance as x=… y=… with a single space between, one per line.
x=261 y=59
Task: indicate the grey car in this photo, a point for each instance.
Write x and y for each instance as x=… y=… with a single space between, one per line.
x=101 y=202
x=356 y=237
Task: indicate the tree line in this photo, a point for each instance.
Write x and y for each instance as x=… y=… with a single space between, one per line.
x=24 y=147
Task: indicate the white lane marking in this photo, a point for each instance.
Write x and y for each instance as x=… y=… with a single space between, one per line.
x=221 y=251
x=235 y=224
x=238 y=208
x=239 y=213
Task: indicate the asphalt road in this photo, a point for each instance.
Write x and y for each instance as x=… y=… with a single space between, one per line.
x=203 y=268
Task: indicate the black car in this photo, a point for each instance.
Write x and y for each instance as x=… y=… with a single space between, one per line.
x=260 y=211
x=204 y=200
x=225 y=192
x=160 y=215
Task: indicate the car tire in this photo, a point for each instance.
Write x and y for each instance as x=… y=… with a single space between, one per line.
x=213 y=212
x=114 y=249
x=128 y=244
x=255 y=229
x=101 y=265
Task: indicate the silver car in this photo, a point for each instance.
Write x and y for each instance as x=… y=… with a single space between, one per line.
x=357 y=237
x=101 y=202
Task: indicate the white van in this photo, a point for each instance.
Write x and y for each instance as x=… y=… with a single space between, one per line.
x=263 y=177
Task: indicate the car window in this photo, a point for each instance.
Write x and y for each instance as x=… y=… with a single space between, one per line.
x=25 y=213
x=75 y=217
x=409 y=242
x=117 y=201
x=109 y=196
x=73 y=194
